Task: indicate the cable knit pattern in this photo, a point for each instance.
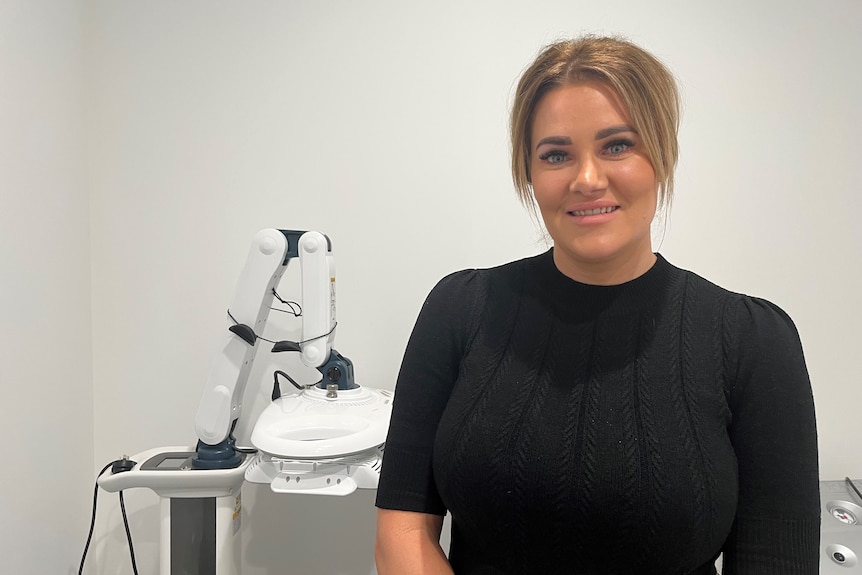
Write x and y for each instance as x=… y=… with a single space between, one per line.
x=582 y=430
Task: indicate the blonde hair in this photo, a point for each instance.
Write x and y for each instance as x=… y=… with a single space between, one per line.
x=646 y=86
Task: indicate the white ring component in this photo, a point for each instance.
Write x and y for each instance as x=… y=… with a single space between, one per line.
x=309 y=425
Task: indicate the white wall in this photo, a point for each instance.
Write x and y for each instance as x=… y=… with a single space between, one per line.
x=383 y=125
x=46 y=389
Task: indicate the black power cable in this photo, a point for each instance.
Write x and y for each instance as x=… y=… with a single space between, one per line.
x=276 y=389
x=118 y=465
x=128 y=535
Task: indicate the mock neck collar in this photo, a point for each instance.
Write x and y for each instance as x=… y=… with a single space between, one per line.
x=641 y=293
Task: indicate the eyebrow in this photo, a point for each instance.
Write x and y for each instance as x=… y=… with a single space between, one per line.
x=600 y=135
x=555 y=140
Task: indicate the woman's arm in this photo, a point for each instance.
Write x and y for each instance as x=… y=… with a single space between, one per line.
x=774 y=436
x=408 y=543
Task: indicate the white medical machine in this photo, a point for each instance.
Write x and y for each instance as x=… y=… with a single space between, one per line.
x=326 y=439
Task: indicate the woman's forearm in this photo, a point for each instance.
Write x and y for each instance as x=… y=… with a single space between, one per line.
x=409 y=544
x=425 y=558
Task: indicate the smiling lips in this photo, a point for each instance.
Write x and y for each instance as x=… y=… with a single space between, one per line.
x=594 y=211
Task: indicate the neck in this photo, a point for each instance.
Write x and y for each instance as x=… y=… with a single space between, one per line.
x=606 y=273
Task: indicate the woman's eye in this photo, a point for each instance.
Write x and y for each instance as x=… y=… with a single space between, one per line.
x=553 y=157
x=618 y=147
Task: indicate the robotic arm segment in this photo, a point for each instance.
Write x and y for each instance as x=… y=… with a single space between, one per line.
x=221 y=403
x=318 y=327
x=318 y=298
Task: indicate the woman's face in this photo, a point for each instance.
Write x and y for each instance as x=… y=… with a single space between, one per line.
x=594 y=184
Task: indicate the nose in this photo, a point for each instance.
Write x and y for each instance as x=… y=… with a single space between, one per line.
x=589 y=178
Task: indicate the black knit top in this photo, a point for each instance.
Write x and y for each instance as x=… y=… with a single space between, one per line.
x=577 y=429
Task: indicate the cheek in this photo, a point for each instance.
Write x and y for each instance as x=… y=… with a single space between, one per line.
x=638 y=170
x=639 y=184
x=547 y=197
x=550 y=186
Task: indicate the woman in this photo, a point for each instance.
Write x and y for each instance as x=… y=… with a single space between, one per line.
x=595 y=409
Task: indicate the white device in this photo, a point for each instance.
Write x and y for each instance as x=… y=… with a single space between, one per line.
x=326 y=439
x=840 y=527
x=321 y=442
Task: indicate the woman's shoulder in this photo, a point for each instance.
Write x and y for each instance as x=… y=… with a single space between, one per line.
x=741 y=311
x=476 y=279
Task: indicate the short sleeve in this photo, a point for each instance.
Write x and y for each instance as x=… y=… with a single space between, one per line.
x=774 y=437
x=428 y=372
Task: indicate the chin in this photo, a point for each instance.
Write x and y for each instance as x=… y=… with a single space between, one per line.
x=592 y=252
x=601 y=252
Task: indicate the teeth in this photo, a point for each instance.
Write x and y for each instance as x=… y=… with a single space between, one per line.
x=593 y=212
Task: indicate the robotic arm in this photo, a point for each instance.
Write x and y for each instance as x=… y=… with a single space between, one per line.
x=270 y=253
x=327 y=439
